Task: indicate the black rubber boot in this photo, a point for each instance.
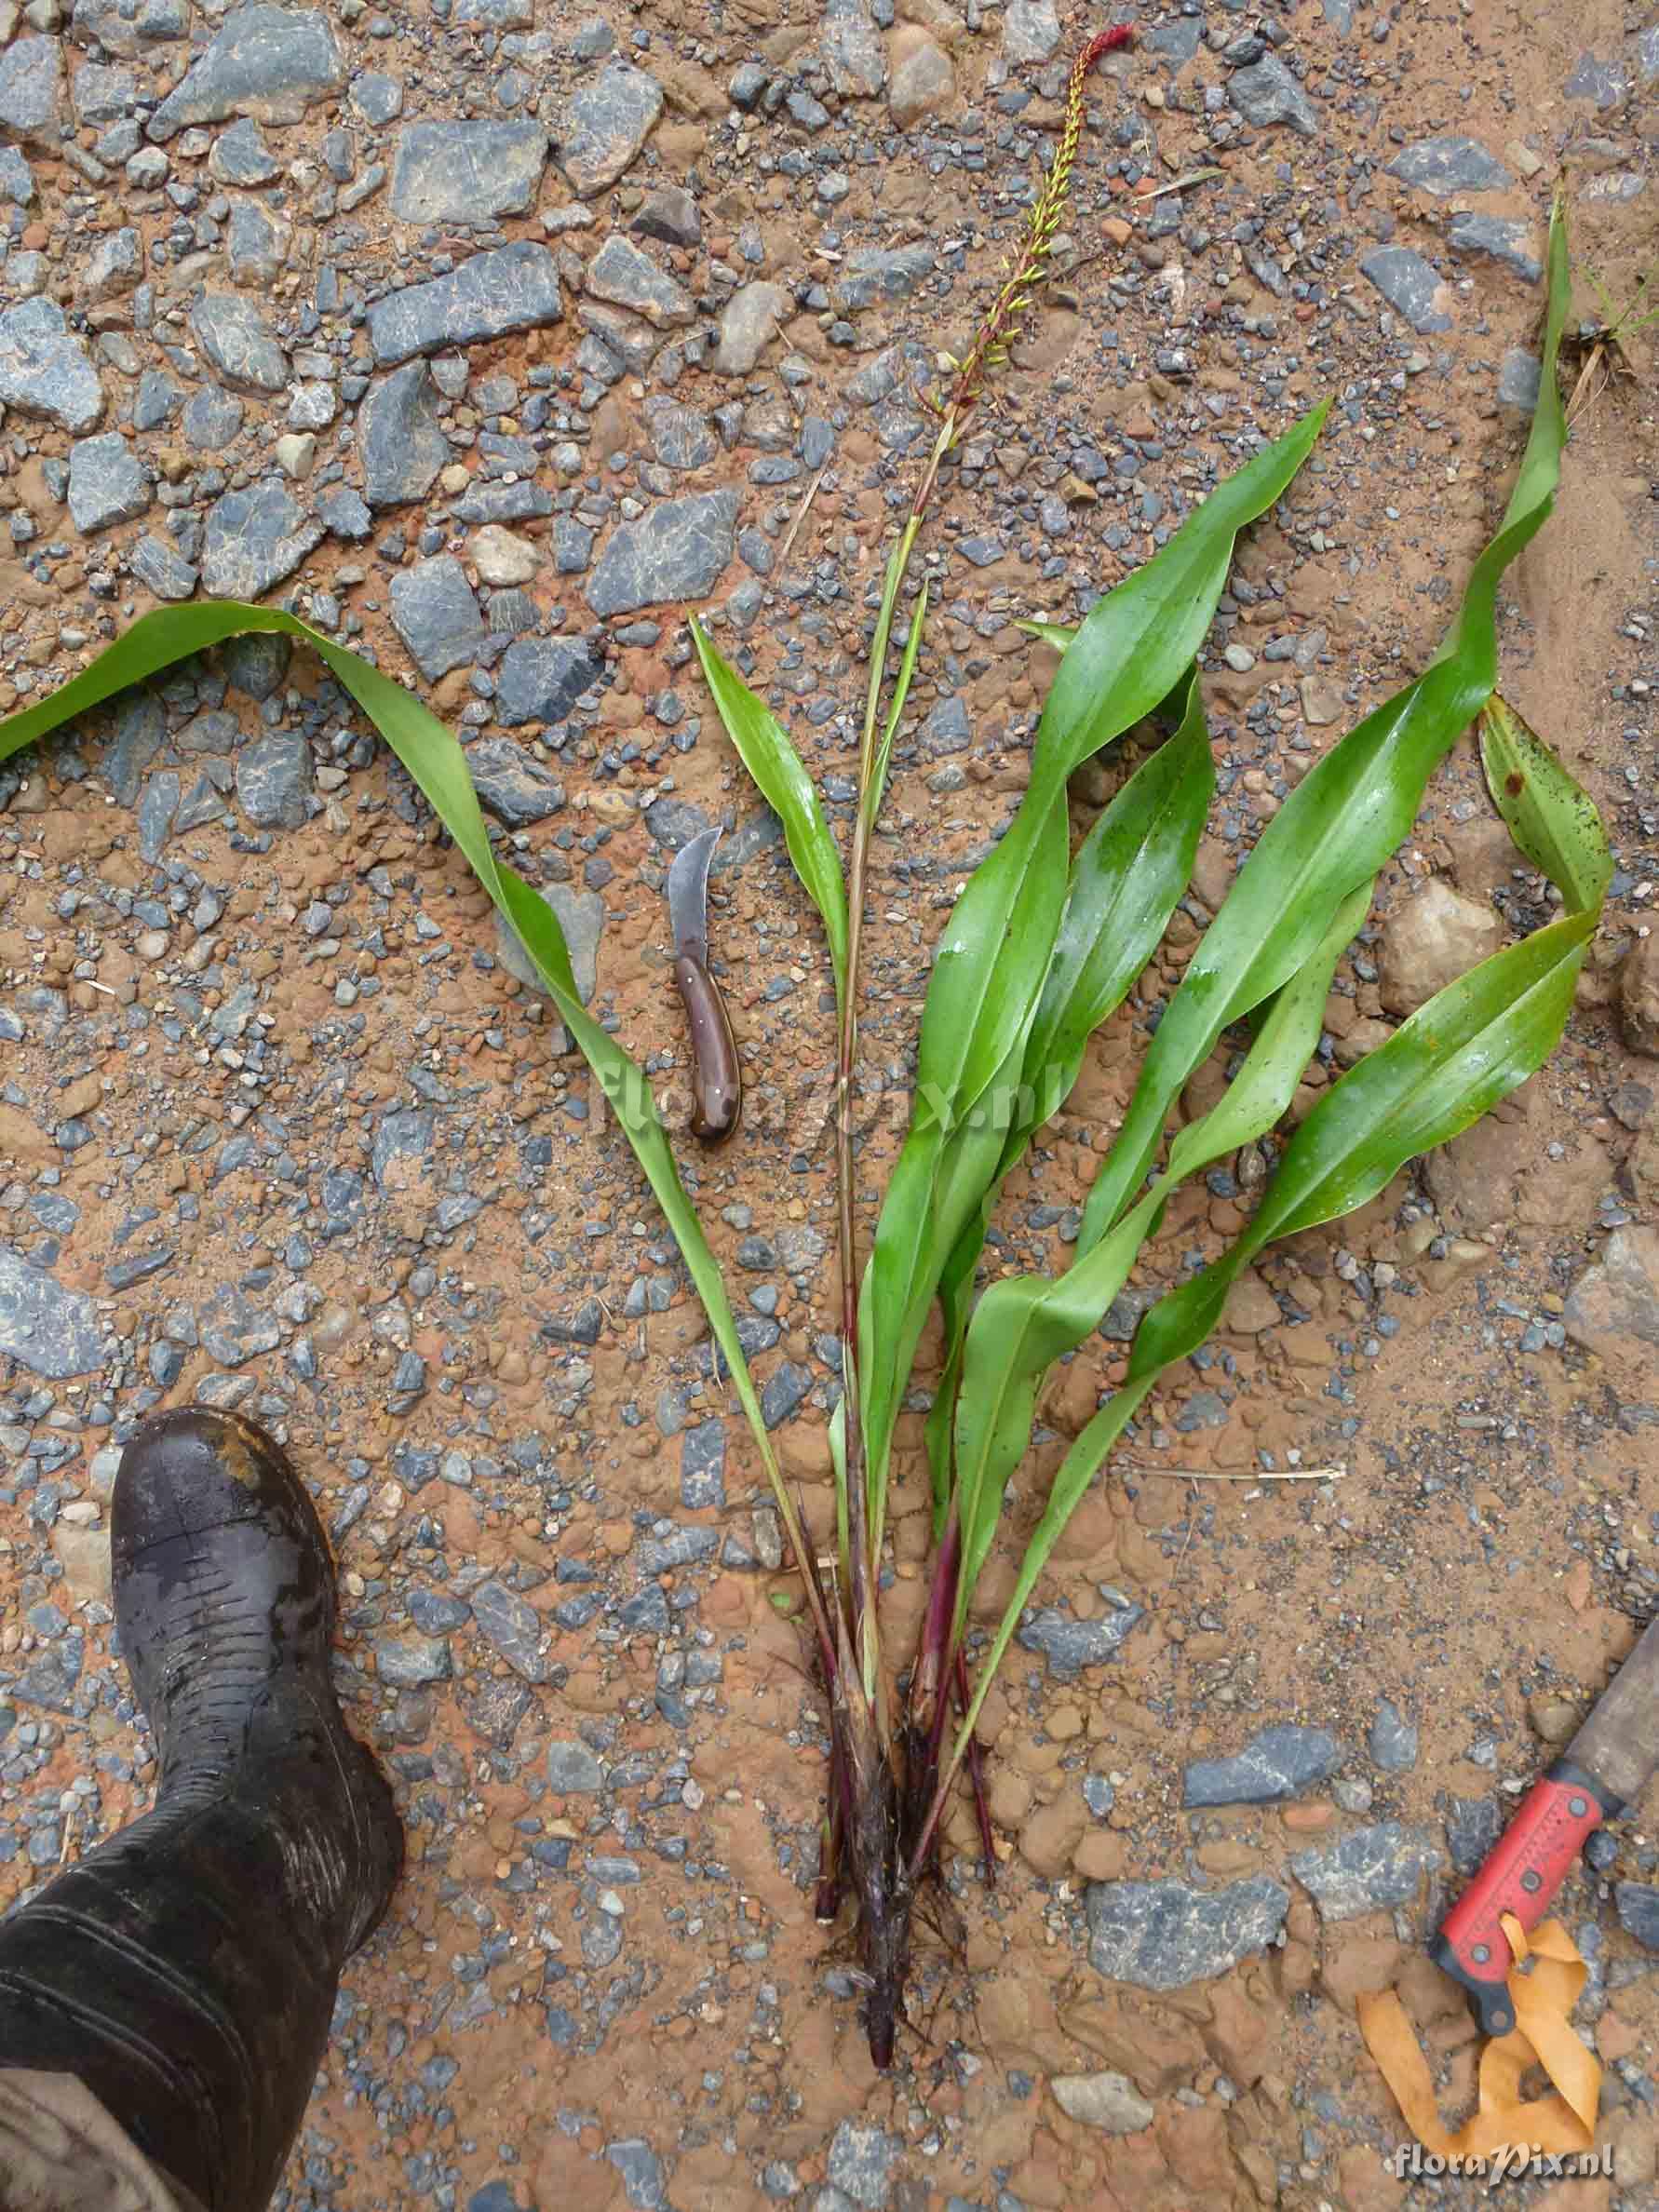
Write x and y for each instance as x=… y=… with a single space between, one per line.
x=186 y=1970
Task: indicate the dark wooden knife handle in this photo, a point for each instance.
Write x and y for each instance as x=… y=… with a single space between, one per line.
x=717 y=1077
x=1522 y=1872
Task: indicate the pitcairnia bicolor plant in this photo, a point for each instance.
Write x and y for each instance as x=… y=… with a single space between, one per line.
x=1041 y=947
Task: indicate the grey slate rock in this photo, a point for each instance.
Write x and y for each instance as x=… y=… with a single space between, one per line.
x=256 y=245
x=1266 y=93
x=55 y=1333
x=681 y=436
x=256 y=663
x=31 y=90
x=573 y=1770
x=377 y=98
x=604 y=125
x=239 y=342
x=1639 y=1912
x=274 y=780
x=511 y=288
x=1450 y=163
x=1030 y=30
x=1492 y=237
x=749 y=322
x=541 y=678
x=1338 y=14
x=253 y=539
x=140 y=732
x=107 y=483
x=1412 y=286
x=158 y=398
x=1376 y=1866
x=399 y=438
x=875 y=273
x=516 y=788
x=466 y=172
x=853 y=50
x=510 y=1627
x=212 y=419
x=435 y=614
x=1473 y=1825
x=643 y=2182
x=240 y=156
x=861 y=2160
x=1603 y=82
x=784 y=1392
x=703 y=1465
x=1165 y=1934
x=157 y=806
x=46 y=372
x=17 y=179
x=271 y=63
x=1393 y=1739
x=675 y=552
x=670 y=214
x=162 y=569
x=625 y=275
x=1069 y=1645
x=1520 y=374
x=581 y=915
x=126 y=27
x=1281 y=1763
x=411 y=1660
x=345 y=513
x=116 y=265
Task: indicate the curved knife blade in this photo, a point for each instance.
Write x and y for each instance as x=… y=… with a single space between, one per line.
x=688 y=895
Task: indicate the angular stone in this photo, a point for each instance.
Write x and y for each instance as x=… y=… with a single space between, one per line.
x=31 y=90
x=541 y=678
x=466 y=172
x=1593 y=79
x=1070 y=1645
x=853 y=50
x=241 y=157
x=1614 y=1307
x=1165 y=1934
x=1519 y=376
x=675 y=552
x=1431 y=939
x=511 y=288
x=502 y=557
x=256 y=245
x=17 y=179
x=239 y=342
x=1491 y=237
x=923 y=82
x=274 y=780
x=1109 y=2101
x=703 y=1465
x=1280 y=1762
x=670 y=214
x=46 y=372
x=1473 y=1825
x=749 y=322
x=213 y=419
x=270 y=62
x=253 y=539
x=621 y=273
x=861 y=2160
x=875 y=273
x=53 y=1332
x=574 y=1770
x=1030 y=31
x=681 y=437
x=1266 y=93
x=1412 y=286
x=115 y=265
x=102 y=95
x=511 y=1627
x=435 y=614
x=400 y=440
x=1637 y=1905
x=581 y=916
x=495 y=15
x=605 y=125
x=1450 y=163
x=516 y=788
x=1373 y=1866
x=256 y=663
x=1393 y=1739
x=162 y=569
x=107 y=483
x=126 y=27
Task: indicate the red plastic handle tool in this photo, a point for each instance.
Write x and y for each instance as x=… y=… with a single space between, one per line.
x=1522 y=1872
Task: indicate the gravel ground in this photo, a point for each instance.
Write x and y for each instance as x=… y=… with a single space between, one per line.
x=494 y=338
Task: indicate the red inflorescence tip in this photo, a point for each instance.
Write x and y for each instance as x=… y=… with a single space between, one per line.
x=1107 y=42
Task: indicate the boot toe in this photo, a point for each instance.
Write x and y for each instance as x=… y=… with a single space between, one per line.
x=192 y=1471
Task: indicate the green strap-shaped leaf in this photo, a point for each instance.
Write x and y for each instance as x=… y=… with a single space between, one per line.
x=1023 y=1324
x=1345 y=817
x=774 y=764
x=989 y=965
x=1127 y=880
x=1551 y=818
x=434 y=759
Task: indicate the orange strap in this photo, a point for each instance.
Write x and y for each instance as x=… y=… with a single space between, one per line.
x=1563 y=2121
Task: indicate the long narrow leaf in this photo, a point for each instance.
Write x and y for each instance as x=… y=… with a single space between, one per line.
x=1341 y=822
x=434 y=757
x=989 y=965
x=774 y=766
x=1552 y=819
